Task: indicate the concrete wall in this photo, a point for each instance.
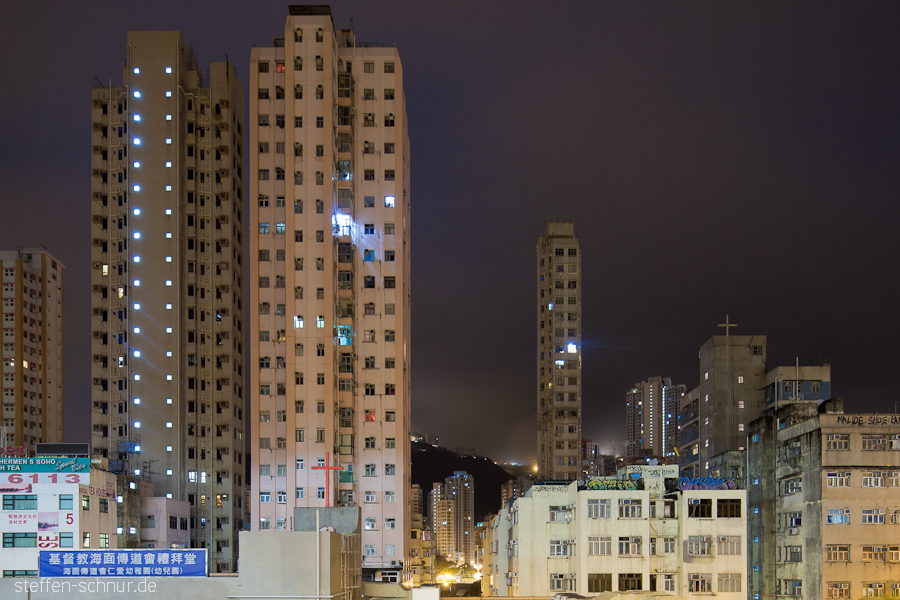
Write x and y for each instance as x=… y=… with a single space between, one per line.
x=271 y=564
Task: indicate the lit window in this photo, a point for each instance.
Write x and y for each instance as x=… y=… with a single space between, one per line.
x=168 y=93
x=169 y=354
x=389 y=201
x=168 y=448
x=168 y=306
x=169 y=259
x=137 y=377
x=169 y=424
x=137 y=259
x=137 y=282
x=137 y=165
x=168 y=69
x=168 y=164
x=137 y=141
x=137 y=306
x=168 y=471
x=137 y=212
x=169 y=189
x=168 y=117
x=137 y=118
x=137 y=329
x=169 y=141
x=169 y=235
x=168 y=378
x=137 y=353
x=137 y=71
x=320 y=321
x=169 y=400
x=298 y=322
x=137 y=94
x=137 y=400
x=137 y=188
x=572 y=349
x=137 y=424
x=168 y=330
x=137 y=235
x=169 y=282
x=169 y=210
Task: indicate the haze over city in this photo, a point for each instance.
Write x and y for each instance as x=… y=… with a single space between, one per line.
x=717 y=160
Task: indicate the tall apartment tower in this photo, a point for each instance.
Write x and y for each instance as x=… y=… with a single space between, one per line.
x=32 y=348
x=453 y=513
x=330 y=273
x=167 y=285
x=559 y=352
x=714 y=416
x=651 y=418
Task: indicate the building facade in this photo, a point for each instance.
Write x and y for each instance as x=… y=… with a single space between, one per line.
x=452 y=509
x=713 y=417
x=167 y=285
x=559 y=352
x=53 y=502
x=33 y=399
x=651 y=418
x=330 y=282
x=824 y=518
x=559 y=538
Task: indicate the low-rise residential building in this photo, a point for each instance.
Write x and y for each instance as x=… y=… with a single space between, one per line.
x=53 y=502
x=824 y=518
x=420 y=568
x=164 y=523
x=646 y=530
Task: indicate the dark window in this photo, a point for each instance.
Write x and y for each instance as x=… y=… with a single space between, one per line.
x=730 y=508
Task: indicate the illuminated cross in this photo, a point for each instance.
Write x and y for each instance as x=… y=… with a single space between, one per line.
x=327 y=468
x=727 y=326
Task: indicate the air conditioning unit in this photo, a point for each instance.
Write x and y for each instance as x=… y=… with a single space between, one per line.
x=794 y=531
x=395 y=563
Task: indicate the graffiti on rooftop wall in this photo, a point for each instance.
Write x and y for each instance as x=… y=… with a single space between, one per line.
x=707 y=483
x=868 y=419
x=598 y=483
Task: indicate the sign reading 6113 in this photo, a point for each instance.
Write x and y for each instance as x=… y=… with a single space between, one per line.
x=20 y=478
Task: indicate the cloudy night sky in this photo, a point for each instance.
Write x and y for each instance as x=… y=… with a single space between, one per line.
x=737 y=158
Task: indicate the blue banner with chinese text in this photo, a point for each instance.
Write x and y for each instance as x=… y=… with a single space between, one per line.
x=188 y=562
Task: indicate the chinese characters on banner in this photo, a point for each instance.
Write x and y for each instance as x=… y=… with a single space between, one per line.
x=189 y=562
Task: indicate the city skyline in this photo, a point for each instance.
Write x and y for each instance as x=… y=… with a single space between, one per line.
x=762 y=142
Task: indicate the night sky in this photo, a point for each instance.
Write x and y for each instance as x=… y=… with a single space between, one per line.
x=717 y=158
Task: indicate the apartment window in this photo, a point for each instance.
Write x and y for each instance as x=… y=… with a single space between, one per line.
x=793 y=554
x=388 y=67
x=629 y=546
x=388 y=229
x=265 y=444
x=298 y=437
x=390 y=469
x=838 y=479
x=265 y=497
x=730 y=508
x=389 y=120
x=65 y=502
x=369 y=174
x=874 y=478
x=390 y=443
x=838 y=516
x=629 y=508
x=389 y=416
x=20 y=502
x=599 y=546
x=874 y=442
x=840 y=589
x=794 y=485
x=264 y=414
x=320 y=436
x=85 y=502
x=559 y=548
x=368 y=67
x=728 y=544
x=19 y=540
x=298 y=122
x=870 y=553
x=729 y=582
x=837 y=553
x=873 y=516
x=388 y=256
x=390 y=283
x=263 y=93
x=597 y=509
x=700 y=583
x=837 y=441
x=263 y=67
x=389 y=335
x=320 y=122
x=389 y=95
x=700 y=545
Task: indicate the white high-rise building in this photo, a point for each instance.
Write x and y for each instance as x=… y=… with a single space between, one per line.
x=32 y=348
x=330 y=285
x=651 y=418
x=453 y=514
x=559 y=352
x=167 y=287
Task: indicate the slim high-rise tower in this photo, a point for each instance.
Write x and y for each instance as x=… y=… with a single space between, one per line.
x=651 y=418
x=32 y=348
x=559 y=352
x=167 y=285
x=330 y=285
